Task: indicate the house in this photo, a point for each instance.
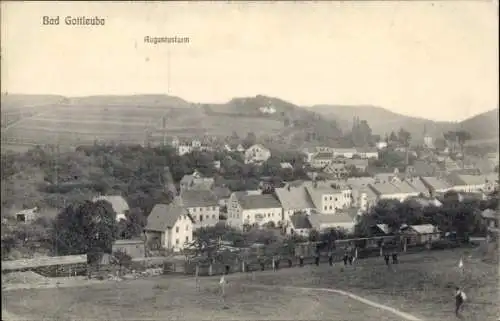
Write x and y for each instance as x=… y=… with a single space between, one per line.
x=223 y=194
x=257 y=154
x=169 y=227
x=468 y=183
x=286 y=165
x=267 y=110
x=299 y=225
x=329 y=199
x=345 y=152
x=202 y=205
x=321 y=160
x=27 y=215
x=294 y=200
x=367 y=153
x=196 y=181
x=323 y=222
x=490 y=218
x=134 y=248
x=234 y=208
x=423 y=168
x=259 y=210
x=336 y=169
x=421 y=234
x=119 y=204
x=435 y=185
x=381 y=145
x=360 y=164
x=394 y=177
x=398 y=190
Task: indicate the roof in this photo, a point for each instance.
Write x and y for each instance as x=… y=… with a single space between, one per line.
x=367 y=150
x=357 y=162
x=404 y=187
x=417 y=185
x=323 y=156
x=300 y=221
x=121 y=242
x=118 y=203
x=250 y=202
x=43 y=261
x=318 y=220
x=344 y=150
x=198 y=198
x=222 y=192
x=384 y=228
x=294 y=198
x=286 y=165
x=357 y=182
x=435 y=183
x=422 y=168
x=27 y=211
x=424 y=228
x=489 y=213
x=470 y=179
x=164 y=216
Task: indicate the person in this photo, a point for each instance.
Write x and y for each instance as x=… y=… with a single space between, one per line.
x=290 y=263
x=330 y=258
x=395 y=258
x=345 y=258
x=262 y=265
x=227 y=269
x=278 y=262
x=316 y=259
x=386 y=259
x=301 y=260
x=460 y=298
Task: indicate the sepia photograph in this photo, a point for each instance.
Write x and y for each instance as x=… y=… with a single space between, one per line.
x=245 y=160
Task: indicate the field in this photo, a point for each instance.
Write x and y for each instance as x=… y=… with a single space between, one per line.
x=73 y=125
x=421 y=285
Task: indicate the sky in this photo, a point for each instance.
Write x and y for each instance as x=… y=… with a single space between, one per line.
x=437 y=60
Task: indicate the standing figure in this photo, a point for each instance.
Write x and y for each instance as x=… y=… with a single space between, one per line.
x=301 y=260
x=278 y=259
x=395 y=258
x=386 y=259
x=290 y=263
x=460 y=298
x=316 y=259
x=330 y=258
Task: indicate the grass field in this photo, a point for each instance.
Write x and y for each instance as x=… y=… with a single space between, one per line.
x=422 y=285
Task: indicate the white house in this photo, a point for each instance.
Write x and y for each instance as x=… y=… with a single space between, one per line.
x=381 y=145
x=119 y=204
x=169 y=227
x=202 y=205
x=257 y=154
x=328 y=199
x=397 y=191
x=341 y=220
x=345 y=152
x=27 y=215
x=255 y=209
x=321 y=160
x=436 y=185
x=299 y=225
x=468 y=183
x=367 y=153
x=234 y=208
x=267 y=110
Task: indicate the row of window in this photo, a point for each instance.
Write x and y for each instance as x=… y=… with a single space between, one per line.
x=207 y=217
x=208 y=208
x=177 y=229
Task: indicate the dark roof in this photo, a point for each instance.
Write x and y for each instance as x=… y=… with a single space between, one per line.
x=300 y=221
x=164 y=216
x=259 y=201
x=198 y=198
x=222 y=192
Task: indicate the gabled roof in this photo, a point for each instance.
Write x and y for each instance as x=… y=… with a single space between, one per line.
x=164 y=216
x=119 y=204
x=294 y=198
x=424 y=228
x=222 y=192
x=300 y=221
x=198 y=198
x=469 y=179
x=323 y=156
x=435 y=183
x=250 y=202
x=319 y=220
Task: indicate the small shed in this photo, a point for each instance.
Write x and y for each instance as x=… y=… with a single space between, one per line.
x=135 y=248
x=27 y=215
x=421 y=234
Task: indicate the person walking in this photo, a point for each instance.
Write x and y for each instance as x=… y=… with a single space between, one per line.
x=316 y=259
x=460 y=298
x=330 y=258
x=346 y=256
x=301 y=261
x=394 y=258
x=290 y=263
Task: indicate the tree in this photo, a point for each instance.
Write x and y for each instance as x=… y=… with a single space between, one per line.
x=122 y=259
x=84 y=228
x=250 y=140
x=462 y=137
x=133 y=225
x=314 y=235
x=393 y=138
x=404 y=139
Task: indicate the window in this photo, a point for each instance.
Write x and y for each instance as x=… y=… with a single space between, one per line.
x=330 y=207
x=177 y=241
x=330 y=198
x=187 y=238
x=208 y=216
x=326 y=207
x=213 y=216
x=187 y=227
x=335 y=199
x=201 y=218
x=176 y=229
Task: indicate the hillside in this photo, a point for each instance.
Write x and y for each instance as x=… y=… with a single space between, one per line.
x=483 y=126
x=130 y=119
x=14 y=101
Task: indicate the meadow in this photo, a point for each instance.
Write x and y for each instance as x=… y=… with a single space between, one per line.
x=421 y=285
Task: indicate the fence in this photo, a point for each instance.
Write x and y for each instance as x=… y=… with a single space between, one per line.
x=283 y=257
